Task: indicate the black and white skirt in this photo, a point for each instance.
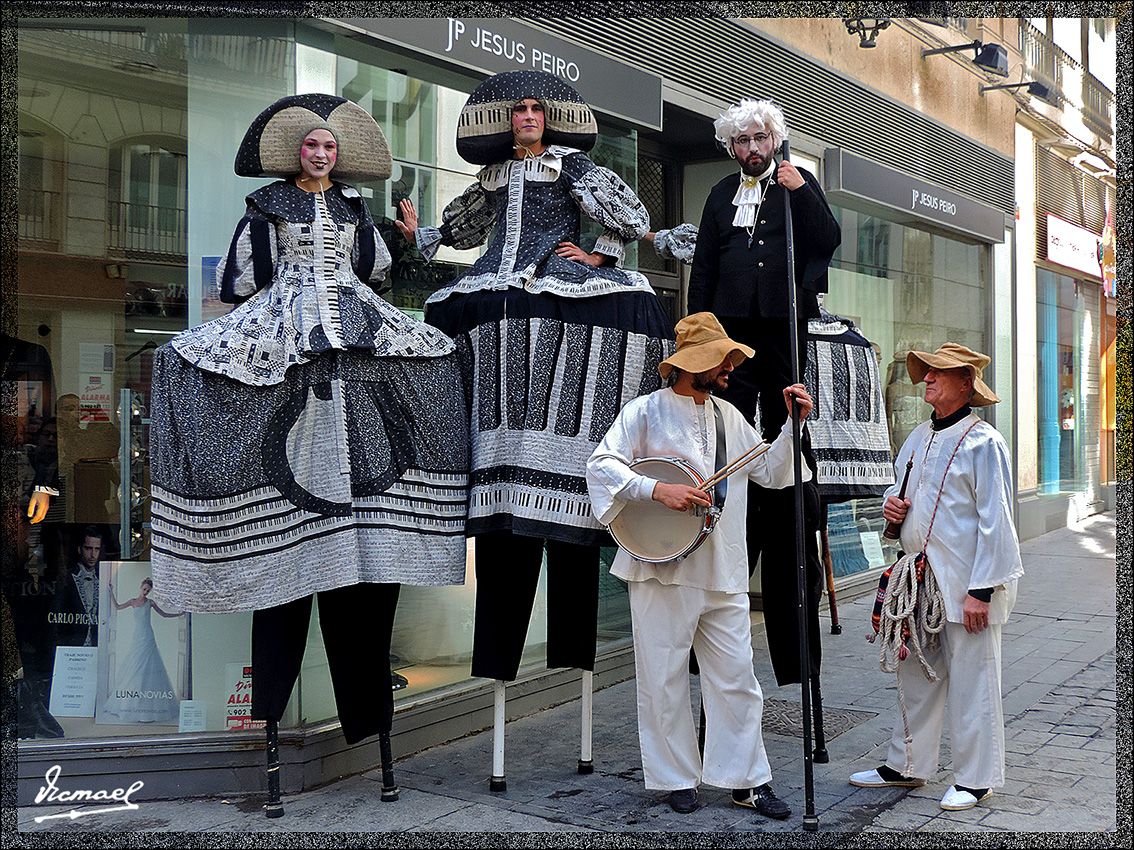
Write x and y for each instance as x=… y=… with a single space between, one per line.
x=545 y=377
x=353 y=469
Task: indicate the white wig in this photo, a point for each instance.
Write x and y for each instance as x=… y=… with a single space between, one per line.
x=740 y=116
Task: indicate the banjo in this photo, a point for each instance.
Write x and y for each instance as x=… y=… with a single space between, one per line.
x=653 y=533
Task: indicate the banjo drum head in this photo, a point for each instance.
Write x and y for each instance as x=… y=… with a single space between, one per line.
x=650 y=531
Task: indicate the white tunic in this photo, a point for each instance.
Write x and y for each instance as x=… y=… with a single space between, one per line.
x=973 y=543
x=665 y=424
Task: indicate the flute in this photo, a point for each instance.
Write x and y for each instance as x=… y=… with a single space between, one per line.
x=893 y=530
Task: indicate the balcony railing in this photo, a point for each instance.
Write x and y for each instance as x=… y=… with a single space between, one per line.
x=1098 y=106
x=1043 y=61
x=141 y=231
x=39 y=215
x=1056 y=69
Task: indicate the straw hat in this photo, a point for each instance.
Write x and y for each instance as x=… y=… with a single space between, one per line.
x=953 y=356
x=271 y=145
x=702 y=344
x=484 y=130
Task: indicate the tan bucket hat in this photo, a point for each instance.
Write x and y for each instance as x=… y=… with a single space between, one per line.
x=702 y=344
x=954 y=356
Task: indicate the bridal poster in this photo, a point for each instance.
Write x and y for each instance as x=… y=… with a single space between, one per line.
x=143 y=664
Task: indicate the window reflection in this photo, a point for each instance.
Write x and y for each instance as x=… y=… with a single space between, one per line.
x=127 y=198
x=1061 y=313
x=905 y=289
x=102 y=261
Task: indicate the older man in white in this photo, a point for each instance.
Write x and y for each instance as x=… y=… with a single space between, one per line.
x=700 y=600
x=974 y=553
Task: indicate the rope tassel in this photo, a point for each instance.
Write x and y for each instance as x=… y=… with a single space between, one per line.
x=912 y=614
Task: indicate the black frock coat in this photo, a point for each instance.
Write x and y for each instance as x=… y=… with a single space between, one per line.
x=736 y=280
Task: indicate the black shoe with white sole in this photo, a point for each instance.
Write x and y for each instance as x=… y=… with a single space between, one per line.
x=763 y=800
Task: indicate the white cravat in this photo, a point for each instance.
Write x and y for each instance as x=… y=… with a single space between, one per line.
x=749 y=196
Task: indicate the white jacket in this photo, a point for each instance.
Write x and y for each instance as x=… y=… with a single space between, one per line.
x=973 y=543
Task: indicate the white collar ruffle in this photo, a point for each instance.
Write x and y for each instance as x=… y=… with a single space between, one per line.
x=749 y=196
x=543 y=167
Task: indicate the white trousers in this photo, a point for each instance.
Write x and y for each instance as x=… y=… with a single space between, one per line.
x=667 y=620
x=968 y=667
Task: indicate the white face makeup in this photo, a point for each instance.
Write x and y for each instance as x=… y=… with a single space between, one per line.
x=317 y=156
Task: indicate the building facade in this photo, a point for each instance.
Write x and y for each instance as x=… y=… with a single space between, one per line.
x=127 y=129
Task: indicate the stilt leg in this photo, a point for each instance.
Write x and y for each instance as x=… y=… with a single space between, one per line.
x=389 y=786
x=820 y=754
x=497 y=781
x=586 y=761
x=274 y=807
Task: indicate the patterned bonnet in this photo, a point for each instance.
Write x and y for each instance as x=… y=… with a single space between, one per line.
x=484 y=130
x=271 y=145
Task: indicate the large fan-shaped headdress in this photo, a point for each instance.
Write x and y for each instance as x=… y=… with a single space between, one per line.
x=484 y=130
x=271 y=145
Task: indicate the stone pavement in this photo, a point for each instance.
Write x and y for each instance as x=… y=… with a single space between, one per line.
x=1060 y=708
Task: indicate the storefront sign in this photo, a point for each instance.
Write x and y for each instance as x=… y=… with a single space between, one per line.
x=238 y=705
x=96 y=357
x=1073 y=246
x=96 y=400
x=73 y=682
x=858 y=183
x=192 y=714
x=496 y=45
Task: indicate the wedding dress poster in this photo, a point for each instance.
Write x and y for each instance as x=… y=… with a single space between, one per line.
x=143 y=670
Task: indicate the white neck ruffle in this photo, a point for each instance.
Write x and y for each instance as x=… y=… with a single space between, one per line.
x=749 y=196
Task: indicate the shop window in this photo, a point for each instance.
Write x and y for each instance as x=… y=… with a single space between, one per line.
x=1062 y=383
x=874 y=246
x=905 y=289
x=101 y=233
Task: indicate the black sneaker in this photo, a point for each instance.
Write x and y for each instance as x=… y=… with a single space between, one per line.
x=763 y=800
x=683 y=801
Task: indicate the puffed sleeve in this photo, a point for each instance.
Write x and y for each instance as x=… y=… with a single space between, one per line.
x=603 y=197
x=251 y=259
x=678 y=243
x=610 y=481
x=466 y=222
x=370 y=258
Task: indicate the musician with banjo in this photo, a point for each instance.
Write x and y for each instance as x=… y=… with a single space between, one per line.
x=670 y=480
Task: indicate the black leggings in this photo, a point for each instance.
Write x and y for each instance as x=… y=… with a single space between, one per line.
x=507 y=572
x=356 y=622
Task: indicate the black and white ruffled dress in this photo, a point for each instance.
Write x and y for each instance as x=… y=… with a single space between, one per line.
x=316 y=436
x=551 y=349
